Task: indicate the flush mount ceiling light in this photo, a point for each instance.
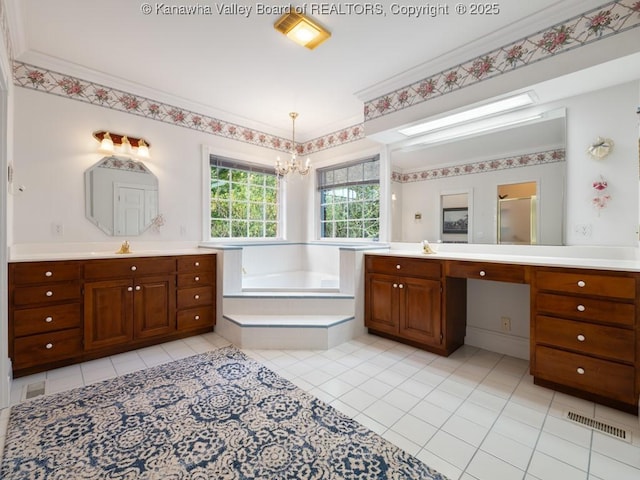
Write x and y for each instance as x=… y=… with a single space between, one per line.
x=301 y=29
x=487 y=110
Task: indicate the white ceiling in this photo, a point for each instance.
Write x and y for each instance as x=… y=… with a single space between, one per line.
x=243 y=71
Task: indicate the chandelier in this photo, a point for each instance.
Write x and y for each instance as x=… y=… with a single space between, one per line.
x=294 y=164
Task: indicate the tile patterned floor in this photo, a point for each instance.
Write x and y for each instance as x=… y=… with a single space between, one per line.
x=473 y=415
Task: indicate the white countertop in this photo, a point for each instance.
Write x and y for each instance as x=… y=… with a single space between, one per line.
x=620 y=259
x=87 y=251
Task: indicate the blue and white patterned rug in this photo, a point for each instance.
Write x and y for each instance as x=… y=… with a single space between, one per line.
x=218 y=415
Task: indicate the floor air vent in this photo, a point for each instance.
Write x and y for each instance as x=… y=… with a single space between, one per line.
x=34 y=390
x=612 y=430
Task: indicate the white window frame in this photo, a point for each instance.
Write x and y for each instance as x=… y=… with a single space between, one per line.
x=382 y=191
x=207 y=151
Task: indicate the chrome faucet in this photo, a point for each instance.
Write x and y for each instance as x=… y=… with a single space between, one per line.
x=125 y=247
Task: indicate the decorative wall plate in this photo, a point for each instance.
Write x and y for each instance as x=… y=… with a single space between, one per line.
x=600 y=148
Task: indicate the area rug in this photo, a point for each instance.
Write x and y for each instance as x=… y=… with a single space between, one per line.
x=217 y=415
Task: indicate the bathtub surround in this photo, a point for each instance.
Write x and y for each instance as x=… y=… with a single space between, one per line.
x=211 y=416
x=254 y=315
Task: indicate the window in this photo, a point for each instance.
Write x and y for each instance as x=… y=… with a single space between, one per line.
x=245 y=200
x=350 y=199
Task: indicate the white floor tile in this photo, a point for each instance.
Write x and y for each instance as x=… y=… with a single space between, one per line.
x=384 y=413
x=563 y=450
x=545 y=467
x=607 y=468
x=485 y=466
x=465 y=430
x=507 y=450
x=475 y=415
x=415 y=429
x=439 y=464
x=451 y=449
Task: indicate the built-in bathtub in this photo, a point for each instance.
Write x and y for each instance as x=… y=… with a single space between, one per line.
x=290 y=295
x=293 y=281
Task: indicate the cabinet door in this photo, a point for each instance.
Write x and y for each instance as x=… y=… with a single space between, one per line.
x=419 y=316
x=154 y=306
x=108 y=313
x=381 y=303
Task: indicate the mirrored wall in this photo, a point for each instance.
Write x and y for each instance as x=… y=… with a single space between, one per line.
x=451 y=192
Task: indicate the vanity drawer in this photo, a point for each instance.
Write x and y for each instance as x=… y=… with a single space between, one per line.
x=45 y=319
x=195 y=279
x=404 y=266
x=138 y=266
x=54 y=292
x=193 y=297
x=196 y=263
x=602 y=377
x=604 y=311
x=609 y=342
x=192 y=318
x=498 y=272
x=47 y=347
x=586 y=284
x=44 y=272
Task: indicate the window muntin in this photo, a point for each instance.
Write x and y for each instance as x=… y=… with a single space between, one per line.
x=350 y=200
x=245 y=200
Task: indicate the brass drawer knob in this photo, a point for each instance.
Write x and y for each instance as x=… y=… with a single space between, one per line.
x=401 y=286
x=581 y=308
x=197 y=264
x=129 y=289
x=133 y=268
x=395 y=285
x=48 y=319
x=197 y=297
x=197 y=279
x=398 y=266
x=482 y=273
x=580 y=371
x=49 y=346
x=581 y=283
x=49 y=293
x=137 y=288
x=48 y=274
x=196 y=317
x=581 y=338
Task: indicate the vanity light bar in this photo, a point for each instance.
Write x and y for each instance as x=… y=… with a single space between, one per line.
x=108 y=140
x=500 y=106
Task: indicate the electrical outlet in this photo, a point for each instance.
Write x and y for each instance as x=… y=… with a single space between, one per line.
x=506 y=324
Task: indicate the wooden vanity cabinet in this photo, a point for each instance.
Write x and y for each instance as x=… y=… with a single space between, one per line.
x=403 y=300
x=65 y=312
x=583 y=334
x=45 y=311
x=196 y=292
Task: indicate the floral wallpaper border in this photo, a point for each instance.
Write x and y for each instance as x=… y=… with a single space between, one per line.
x=596 y=24
x=48 y=81
x=487 y=166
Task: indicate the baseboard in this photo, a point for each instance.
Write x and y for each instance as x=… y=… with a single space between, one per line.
x=498 y=342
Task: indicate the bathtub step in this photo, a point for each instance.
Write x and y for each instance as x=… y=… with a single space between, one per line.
x=289 y=332
x=288 y=303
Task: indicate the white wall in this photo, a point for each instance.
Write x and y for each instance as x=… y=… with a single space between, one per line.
x=54 y=147
x=605 y=113
x=6 y=153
